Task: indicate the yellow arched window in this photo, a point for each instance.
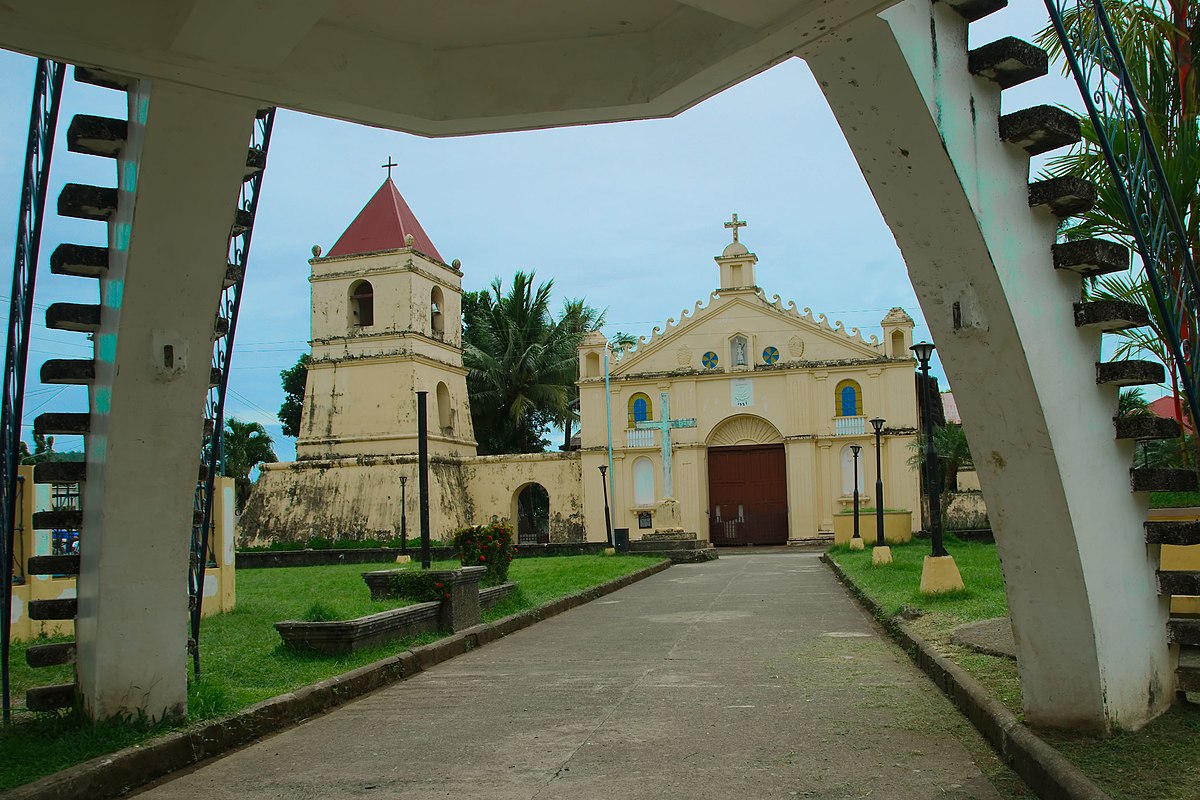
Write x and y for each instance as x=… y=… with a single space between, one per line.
x=640 y=409
x=847 y=400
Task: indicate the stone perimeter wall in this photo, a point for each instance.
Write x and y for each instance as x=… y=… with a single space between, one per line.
x=360 y=498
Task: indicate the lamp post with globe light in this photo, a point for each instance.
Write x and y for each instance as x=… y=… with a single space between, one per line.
x=882 y=554
x=856 y=542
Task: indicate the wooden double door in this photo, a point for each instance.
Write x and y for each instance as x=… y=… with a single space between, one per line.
x=747 y=495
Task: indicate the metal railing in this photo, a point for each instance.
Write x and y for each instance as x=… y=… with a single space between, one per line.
x=43 y=120
x=212 y=446
x=1093 y=54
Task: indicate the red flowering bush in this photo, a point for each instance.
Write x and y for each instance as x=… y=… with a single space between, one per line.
x=418 y=586
x=488 y=546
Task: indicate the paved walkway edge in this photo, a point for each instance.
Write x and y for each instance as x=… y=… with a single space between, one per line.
x=121 y=772
x=1045 y=770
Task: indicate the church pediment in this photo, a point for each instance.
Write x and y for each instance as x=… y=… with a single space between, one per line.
x=742 y=330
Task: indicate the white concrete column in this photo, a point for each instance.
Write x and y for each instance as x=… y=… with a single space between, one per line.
x=1080 y=583
x=179 y=178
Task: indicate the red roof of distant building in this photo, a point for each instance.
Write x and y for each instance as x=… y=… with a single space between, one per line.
x=382 y=225
x=950 y=407
x=1165 y=407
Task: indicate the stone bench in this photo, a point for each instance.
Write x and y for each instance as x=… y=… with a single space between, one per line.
x=461 y=611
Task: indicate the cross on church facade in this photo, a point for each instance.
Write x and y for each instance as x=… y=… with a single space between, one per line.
x=735 y=224
x=664 y=425
x=388 y=166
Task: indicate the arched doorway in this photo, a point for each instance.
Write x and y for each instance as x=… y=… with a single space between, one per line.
x=533 y=514
x=747 y=483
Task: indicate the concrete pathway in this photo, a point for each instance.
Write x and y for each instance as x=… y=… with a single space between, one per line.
x=754 y=676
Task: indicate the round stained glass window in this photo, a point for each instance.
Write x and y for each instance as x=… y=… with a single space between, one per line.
x=770 y=355
x=710 y=360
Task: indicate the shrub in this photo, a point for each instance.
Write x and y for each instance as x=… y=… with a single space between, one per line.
x=418 y=586
x=320 y=543
x=319 y=612
x=488 y=546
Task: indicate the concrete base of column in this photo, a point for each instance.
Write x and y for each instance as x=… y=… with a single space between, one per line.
x=940 y=575
x=856 y=544
x=881 y=554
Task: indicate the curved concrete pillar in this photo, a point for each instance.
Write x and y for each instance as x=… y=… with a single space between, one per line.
x=1089 y=625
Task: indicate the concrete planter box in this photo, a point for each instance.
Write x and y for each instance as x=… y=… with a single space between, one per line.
x=897 y=527
x=348 y=636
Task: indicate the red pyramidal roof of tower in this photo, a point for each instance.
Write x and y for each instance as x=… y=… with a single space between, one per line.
x=382 y=225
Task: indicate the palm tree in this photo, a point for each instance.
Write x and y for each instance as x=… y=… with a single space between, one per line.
x=245 y=445
x=520 y=365
x=953 y=452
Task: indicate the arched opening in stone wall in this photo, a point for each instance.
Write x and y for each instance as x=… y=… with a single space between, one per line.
x=437 y=312
x=362 y=305
x=591 y=365
x=898 y=348
x=532 y=503
x=445 y=417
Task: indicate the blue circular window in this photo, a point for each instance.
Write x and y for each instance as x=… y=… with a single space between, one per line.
x=710 y=360
x=770 y=355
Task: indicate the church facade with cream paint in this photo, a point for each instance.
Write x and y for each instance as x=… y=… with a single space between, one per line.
x=735 y=423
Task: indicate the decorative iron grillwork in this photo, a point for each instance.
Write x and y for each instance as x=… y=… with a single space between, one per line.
x=211 y=450
x=1093 y=53
x=43 y=120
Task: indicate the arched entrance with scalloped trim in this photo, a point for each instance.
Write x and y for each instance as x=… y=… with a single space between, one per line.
x=747 y=483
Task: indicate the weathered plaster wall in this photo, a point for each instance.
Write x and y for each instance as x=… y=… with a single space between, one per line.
x=360 y=498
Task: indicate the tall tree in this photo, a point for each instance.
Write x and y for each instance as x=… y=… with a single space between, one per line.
x=293 y=379
x=520 y=364
x=576 y=320
x=245 y=445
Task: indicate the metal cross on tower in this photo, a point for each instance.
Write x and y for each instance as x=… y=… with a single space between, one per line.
x=388 y=166
x=735 y=224
x=664 y=425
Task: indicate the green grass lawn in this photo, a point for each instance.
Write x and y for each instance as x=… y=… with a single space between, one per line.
x=243 y=661
x=1160 y=762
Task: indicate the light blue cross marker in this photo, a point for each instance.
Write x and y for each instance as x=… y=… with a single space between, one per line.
x=664 y=426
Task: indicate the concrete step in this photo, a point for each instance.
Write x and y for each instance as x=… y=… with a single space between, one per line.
x=87 y=202
x=1091 y=257
x=221 y=327
x=61 y=423
x=1182 y=582
x=1180 y=532
x=106 y=80
x=50 y=655
x=1008 y=62
x=53 y=565
x=1150 y=479
x=243 y=220
x=1111 y=315
x=1146 y=426
x=1184 y=630
x=1064 y=197
x=78 y=317
x=97 y=136
x=214 y=377
x=972 y=10
x=60 y=472
x=1129 y=373
x=1187 y=673
x=256 y=162
x=80 y=260
x=72 y=371
x=658 y=545
x=53 y=609
x=1040 y=129
x=61 y=518
x=233 y=274
x=50 y=698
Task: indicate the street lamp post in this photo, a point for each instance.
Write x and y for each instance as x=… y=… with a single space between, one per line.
x=403 y=517
x=940 y=573
x=882 y=554
x=608 y=531
x=856 y=542
x=423 y=473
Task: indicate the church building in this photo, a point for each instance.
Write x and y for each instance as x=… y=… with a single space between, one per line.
x=735 y=424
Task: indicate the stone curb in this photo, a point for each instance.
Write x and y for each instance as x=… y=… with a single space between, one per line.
x=117 y=773
x=1046 y=771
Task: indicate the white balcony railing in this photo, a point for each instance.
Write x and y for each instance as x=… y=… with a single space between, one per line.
x=639 y=438
x=849 y=426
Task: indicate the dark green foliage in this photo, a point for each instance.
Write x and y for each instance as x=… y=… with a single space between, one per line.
x=293 y=379
x=418 y=586
x=489 y=546
x=245 y=446
x=43 y=451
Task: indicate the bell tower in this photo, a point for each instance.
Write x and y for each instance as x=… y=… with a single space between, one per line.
x=386 y=323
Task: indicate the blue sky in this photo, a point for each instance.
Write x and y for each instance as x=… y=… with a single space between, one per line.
x=627 y=215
